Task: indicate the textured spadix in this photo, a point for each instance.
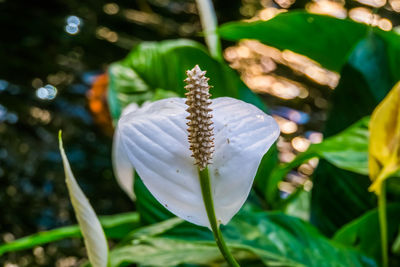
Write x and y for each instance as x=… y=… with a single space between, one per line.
x=155 y=139
x=200 y=128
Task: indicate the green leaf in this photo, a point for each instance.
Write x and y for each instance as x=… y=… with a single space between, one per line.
x=273 y=238
x=115 y=226
x=155 y=229
x=298 y=204
x=125 y=87
x=151 y=211
x=365 y=80
x=325 y=39
x=341 y=176
x=119 y=225
x=165 y=252
x=93 y=234
x=279 y=172
x=145 y=246
x=396 y=244
x=262 y=179
x=347 y=150
x=391 y=40
x=281 y=240
x=161 y=94
x=363 y=233
x=338 y=197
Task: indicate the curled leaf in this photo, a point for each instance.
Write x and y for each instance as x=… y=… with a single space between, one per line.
x=95 y=240
x=384 y=144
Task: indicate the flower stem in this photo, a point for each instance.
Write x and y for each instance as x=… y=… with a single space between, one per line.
x=383 y=224
x=208 y=203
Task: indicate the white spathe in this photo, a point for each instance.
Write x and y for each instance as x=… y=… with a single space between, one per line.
x=155 y=139
x=123 y=169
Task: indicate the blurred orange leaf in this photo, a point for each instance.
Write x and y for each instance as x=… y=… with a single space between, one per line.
x=97 y=97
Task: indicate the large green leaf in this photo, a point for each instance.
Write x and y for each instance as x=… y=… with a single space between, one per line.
x=152 y=66
x=347 y=150
x=273 y=238
x=262 y=179
x=325 y=39
x=338 y=197
x=115 y=226
x=281 y=240
x=165 y=252
x=155 y=229
x=392 y=41
x=151 y=211
x=365 y=80
x=363 y=233
x=298 y=204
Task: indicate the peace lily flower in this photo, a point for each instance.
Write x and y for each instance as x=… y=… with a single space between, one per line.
x=171 y=142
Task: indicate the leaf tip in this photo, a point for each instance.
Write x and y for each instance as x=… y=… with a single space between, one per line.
x=60 y=142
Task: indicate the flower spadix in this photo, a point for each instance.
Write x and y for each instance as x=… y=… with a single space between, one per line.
x=200 y=124
x=168 y=140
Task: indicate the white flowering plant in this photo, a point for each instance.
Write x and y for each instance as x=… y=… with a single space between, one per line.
x=196 y=151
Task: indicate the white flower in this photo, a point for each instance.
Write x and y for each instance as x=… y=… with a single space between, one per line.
x=123 y=169
x=154 y=139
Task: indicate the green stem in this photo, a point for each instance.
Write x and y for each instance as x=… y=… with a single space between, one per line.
x=208 y=203
x=383 y=224
x=209 y=24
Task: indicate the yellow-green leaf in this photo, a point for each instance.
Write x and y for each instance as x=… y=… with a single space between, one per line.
x=94 y=237
x=384 y=144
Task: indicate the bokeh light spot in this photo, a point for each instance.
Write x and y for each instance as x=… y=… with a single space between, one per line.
x=73 y=20
x=48 y=92
x=71 y=29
